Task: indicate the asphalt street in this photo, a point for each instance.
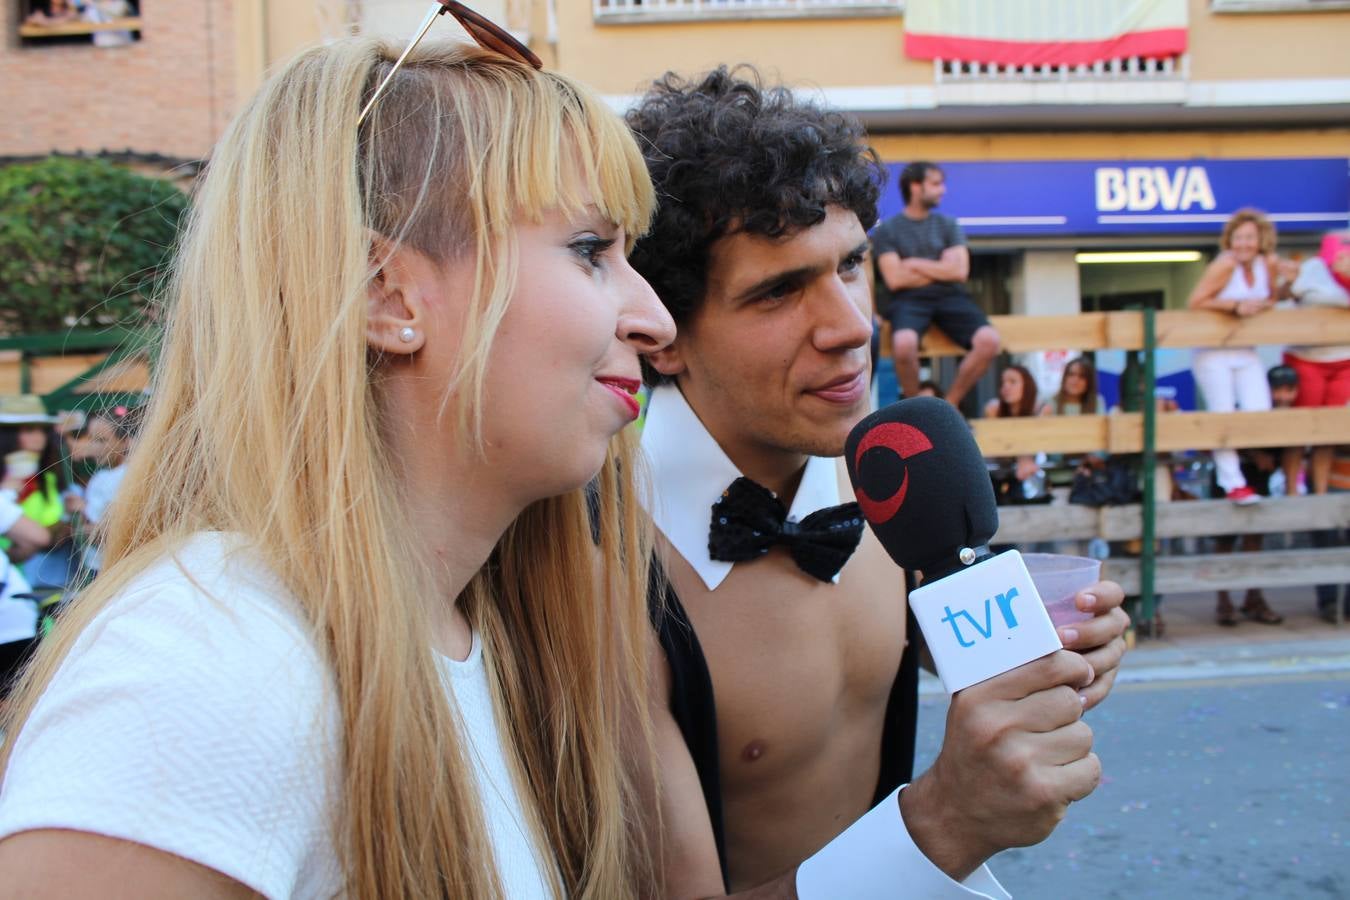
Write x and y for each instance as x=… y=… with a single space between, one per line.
x=1227 y=781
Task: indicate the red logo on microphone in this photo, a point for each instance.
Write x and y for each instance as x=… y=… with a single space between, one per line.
x=904 y=441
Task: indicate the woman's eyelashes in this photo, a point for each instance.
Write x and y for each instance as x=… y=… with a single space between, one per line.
x=591 y=249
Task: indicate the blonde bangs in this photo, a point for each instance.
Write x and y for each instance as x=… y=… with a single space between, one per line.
x=579 y=151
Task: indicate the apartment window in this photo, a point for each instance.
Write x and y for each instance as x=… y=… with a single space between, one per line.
x=1277 y=6
x=637 y=11
x=102 y=23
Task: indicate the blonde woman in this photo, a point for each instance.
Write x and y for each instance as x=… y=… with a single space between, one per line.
x=1245 y=279
x=350 y=637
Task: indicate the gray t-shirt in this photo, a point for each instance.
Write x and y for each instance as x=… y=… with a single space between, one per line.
x=924 y=238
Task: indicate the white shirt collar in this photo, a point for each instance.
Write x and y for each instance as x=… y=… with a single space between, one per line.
x=689 y=471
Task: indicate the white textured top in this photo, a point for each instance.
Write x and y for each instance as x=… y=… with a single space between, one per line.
x=195 y=716
x=1237 y=287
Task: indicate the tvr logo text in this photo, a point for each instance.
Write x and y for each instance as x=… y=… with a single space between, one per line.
x=985 y=631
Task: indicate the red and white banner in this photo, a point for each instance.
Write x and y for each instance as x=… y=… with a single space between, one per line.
x=1044 y=32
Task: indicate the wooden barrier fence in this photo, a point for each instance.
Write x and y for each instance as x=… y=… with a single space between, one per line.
x=1127 y=432
x=75 y=368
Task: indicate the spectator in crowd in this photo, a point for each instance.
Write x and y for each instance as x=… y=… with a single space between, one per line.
x=1323 y=371
x=104 y=11
x=50 y=13
x=19 y=615
x=1245 y=279
x=924 y=263
x=1016 y=480
x=1338 y=482
x=1324 y=380
x=1017 y=395
x=108 y=435
x=930 y=389
x=362 y=629
x=32 y=460
x=1258 y=465
x=1077 y=394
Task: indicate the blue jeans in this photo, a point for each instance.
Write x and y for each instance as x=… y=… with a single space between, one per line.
x=52 y=568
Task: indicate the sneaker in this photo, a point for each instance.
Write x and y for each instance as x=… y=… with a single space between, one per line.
x=1244 y=496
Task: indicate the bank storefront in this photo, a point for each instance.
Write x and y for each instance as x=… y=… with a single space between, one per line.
x=1060 y=237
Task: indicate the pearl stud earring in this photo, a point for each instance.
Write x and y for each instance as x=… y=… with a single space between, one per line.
x=407 y=335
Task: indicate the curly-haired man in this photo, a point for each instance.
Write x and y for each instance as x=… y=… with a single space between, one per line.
x=758 y=250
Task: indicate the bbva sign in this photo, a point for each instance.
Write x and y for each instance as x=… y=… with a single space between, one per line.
x=1144 y=188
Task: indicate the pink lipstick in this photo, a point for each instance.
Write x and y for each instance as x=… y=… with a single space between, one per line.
x=626 y=390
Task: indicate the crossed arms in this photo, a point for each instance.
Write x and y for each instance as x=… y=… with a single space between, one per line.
x=915 y=272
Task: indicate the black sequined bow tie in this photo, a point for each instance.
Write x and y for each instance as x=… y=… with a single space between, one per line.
x=748 y=519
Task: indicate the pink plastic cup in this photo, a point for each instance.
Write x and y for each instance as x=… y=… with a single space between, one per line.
x=1058 y=579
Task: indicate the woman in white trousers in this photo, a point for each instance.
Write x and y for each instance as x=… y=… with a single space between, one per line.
x=1245 y=279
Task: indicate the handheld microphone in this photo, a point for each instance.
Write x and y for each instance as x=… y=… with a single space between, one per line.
x=925 y=492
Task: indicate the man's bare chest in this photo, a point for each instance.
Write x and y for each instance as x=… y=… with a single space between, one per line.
x=797 y=665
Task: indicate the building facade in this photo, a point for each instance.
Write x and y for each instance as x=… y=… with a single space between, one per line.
x=170 y=86
x=1143 y=153
x=1142 y=148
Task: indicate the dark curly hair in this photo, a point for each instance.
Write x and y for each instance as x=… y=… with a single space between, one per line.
x=728 y=154
x=913 y=174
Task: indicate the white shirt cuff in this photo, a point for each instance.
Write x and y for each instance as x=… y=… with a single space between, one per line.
x=875 y=857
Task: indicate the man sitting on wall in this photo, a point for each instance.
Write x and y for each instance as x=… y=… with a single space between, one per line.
x=924 y=262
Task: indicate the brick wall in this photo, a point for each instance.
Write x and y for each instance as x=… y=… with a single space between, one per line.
x=170 y=93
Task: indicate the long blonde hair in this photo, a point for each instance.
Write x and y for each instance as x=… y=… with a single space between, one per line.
x=266 y=421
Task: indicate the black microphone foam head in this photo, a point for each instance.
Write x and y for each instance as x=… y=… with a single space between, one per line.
x=922 y=484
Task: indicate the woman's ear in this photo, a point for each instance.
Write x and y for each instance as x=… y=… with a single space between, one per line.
x=395 y=299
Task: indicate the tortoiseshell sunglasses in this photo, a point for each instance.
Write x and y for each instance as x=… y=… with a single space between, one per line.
x=486 y=33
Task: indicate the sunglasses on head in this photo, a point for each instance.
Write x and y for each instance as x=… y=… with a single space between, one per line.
x=486 y=33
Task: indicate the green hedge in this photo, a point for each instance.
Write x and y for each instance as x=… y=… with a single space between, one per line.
x=83 y=243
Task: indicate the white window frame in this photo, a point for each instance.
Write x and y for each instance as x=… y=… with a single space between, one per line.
x=1277 y=6
x=617 y=12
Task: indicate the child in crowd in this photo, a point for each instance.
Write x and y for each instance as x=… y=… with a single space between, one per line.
x=32 y=470
x=930 y=389
x=108 y=438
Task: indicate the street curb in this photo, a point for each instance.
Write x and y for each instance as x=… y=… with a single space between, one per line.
x=1275 y=666
x=1217 y=661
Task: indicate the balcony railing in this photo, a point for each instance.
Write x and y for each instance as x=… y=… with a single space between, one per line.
x=1134 y=68
x=1119 y=81
x=635 y=11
